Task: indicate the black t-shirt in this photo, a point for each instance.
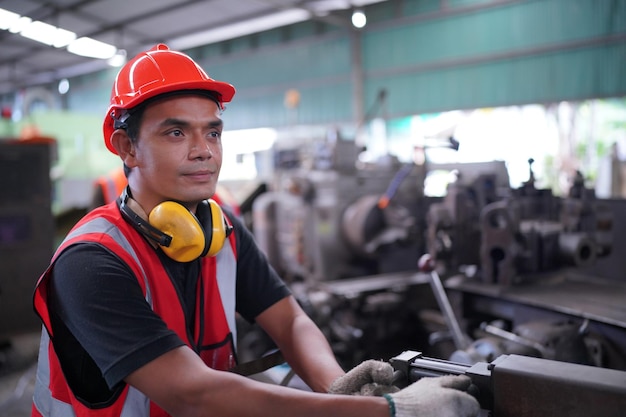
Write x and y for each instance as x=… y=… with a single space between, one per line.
x=103 y=327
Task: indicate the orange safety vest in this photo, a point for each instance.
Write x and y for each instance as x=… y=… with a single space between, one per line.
x=215 y=314
x=112 y=184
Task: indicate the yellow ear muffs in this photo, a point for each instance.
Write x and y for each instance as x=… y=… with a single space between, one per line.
x=181 y=235
x=188 y=237
x=219 y=229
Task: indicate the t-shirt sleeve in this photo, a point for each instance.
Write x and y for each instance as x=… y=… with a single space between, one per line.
x=110 y=329
x=258 y=285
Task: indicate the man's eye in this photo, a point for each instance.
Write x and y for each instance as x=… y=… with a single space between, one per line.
x=176 y=132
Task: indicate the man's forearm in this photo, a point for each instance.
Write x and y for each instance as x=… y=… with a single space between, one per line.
x=311 y=356
x=302 y=343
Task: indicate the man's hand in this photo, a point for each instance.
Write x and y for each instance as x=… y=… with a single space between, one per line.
x=372 y=378
x=435 y=397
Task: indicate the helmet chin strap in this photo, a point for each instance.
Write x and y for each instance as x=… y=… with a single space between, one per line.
x=120 y=122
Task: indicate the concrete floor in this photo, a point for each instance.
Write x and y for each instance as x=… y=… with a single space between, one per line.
x=18 y=362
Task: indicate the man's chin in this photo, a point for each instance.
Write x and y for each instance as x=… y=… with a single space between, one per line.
x=202 y=196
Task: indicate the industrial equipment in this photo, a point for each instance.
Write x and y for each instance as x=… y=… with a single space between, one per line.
x=26 y=228
x=532 y=286
x=327 y=223
x=348 y=238
x=522 y=386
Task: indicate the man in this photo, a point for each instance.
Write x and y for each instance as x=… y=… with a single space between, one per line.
x=140 y=299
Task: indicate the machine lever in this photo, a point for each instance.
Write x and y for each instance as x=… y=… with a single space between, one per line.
x=426 y=264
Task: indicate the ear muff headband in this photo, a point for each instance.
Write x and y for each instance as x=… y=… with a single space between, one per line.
x=219 y=229
x=133 y=212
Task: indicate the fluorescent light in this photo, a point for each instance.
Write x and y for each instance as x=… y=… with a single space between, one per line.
x=63 y=38
x=47 y=34
x=324 y=7
x=40 y=32
x=7 y=19
x=91 y=48
x=118 y=59
x=20 y=24
x=235 y=30
x=54 y=36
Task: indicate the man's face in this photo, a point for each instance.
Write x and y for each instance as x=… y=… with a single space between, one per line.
x=178 y=153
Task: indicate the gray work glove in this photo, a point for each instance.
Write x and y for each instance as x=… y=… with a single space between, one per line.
x=371 y=378
x=443 y=396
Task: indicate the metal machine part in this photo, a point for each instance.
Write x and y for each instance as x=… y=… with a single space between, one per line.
x=525 y=231
x=511 y=247
x=521 y=386
x=453 y=224
x=577 y=316
x=328 y=223
x=426 y=264
x=534 y=231
x=366 y=317
x=367 y=228
x=561 y=340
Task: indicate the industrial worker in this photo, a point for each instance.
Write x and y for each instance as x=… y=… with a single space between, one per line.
x=108 y=187
x=140 y=298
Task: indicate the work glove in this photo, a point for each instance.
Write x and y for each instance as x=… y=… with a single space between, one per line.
x=370 y=378
x=443 y=396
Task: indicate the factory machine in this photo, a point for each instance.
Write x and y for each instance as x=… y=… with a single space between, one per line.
x=544 y=280
x=510 y=272
x=26 y=229
x=345 y=238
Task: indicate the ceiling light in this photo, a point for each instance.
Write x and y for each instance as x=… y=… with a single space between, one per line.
x=37 y=30
x=359 y=19
x=7 y=19
x=44 y=33
x=57 y=37
x=64 y=86
x=91 y=48
x=118 y=59
x=63 y=38
x=40 y=32
x=20 y=24
x=258 y=24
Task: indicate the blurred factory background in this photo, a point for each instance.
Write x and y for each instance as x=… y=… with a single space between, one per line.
x=447 y=176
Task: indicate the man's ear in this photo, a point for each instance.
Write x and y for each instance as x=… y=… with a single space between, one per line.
x=124 y=146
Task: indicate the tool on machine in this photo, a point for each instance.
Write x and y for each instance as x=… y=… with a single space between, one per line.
x=522 y=386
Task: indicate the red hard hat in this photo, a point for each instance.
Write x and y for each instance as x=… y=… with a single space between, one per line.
x=154 y=72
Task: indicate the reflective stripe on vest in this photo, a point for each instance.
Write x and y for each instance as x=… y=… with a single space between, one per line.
x=135 y=404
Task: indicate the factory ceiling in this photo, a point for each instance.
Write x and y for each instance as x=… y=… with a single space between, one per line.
x=130 y=26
